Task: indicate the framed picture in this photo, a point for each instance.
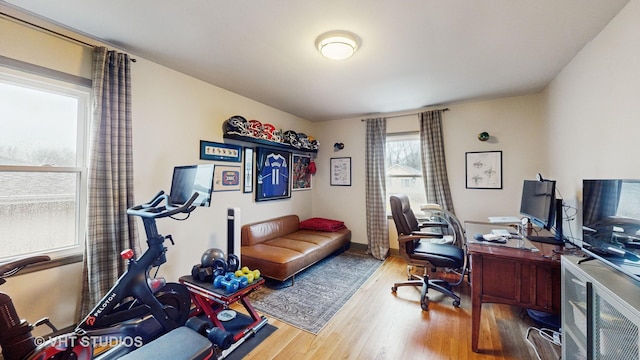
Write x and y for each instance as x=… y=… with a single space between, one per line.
x=484 y=170
x=301 y=177
x=220 y=152
x=272 y=174
x=340 y=171
x=248 y=170
x=226 y=178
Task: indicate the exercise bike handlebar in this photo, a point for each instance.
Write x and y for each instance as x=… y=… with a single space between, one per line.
x=154 y=209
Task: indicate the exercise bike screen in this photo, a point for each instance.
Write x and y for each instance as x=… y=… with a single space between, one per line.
x=191 y=179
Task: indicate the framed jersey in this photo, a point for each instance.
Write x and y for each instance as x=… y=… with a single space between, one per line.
x=272 y=174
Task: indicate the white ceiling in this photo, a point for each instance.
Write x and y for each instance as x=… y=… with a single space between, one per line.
x=414 y=53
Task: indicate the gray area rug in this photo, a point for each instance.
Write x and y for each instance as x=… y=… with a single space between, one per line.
x=318 y=293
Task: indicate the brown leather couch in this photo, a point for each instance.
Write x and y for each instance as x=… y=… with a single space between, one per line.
x=280 y=249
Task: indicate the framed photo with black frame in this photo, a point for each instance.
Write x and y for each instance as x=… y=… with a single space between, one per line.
x=248 y=170
x=220 y=152
x=340 y=171
x=301 y=177
x=483 y=169
x=272 y=174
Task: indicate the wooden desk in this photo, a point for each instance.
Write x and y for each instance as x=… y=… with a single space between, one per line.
x=511 y=275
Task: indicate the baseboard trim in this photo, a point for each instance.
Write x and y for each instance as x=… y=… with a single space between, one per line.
x=365 y=247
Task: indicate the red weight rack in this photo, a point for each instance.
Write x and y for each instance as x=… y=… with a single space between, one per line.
x=210 y=301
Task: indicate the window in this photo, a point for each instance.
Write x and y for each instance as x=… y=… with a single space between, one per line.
x=43 y=139
x=403 y=168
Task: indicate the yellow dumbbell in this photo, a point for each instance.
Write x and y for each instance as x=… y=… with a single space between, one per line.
x=249 y=277
x=255 y=273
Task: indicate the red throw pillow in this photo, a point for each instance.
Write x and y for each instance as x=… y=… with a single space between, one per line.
x=322 y=224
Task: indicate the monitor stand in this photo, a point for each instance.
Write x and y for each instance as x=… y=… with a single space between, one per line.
x=545 y=239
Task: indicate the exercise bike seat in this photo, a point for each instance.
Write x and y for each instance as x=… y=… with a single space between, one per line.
x=182 y=343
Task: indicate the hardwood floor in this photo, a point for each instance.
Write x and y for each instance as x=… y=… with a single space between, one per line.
x=376 y=324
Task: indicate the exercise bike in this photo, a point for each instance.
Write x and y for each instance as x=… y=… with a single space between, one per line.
x=136 y=310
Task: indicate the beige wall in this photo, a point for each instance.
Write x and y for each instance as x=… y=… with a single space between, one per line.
x=514 y=125
x=593 y=110
x=172 y=113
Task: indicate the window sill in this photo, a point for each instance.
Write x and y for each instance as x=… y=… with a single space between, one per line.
x=71 y=259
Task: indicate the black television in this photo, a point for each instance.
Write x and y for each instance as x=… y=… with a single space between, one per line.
x=539 y=204
x=191 y=179
x=611 y=222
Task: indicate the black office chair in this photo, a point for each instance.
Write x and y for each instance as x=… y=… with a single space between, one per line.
x=425 y=254
x=436 y=229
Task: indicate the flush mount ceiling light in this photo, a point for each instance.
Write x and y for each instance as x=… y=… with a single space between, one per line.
x=337 y=45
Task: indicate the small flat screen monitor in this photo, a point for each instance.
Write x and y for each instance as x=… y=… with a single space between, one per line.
x=611 y=222
x=538 y=202
x=191 y=179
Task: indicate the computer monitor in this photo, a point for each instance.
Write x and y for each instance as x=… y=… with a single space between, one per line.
x=611 y=222
x=191 y=179
x=538 y=202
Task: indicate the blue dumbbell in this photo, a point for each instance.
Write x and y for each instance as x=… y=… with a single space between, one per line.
x=231 y=285
x=241 y=279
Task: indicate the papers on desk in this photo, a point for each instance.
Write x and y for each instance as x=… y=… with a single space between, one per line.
x=511 y=241
x=501 y=232
x=504 y=220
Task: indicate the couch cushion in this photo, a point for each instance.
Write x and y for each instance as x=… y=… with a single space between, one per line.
x=315 y=237
x=303 y=247
x=262 y=231
x=274 y=262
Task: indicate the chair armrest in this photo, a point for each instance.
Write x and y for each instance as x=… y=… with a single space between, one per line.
x=426 y=234
x=434 y=239
x=406 y=238
x=433 y=223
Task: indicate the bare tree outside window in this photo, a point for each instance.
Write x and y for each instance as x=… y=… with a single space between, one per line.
x=403 y=167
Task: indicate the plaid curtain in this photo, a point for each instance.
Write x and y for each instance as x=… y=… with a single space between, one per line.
x=377 y=226
x=434 y=169
x=110 y=177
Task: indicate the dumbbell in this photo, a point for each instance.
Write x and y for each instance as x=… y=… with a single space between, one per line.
x=208 y=273
x=216 y=335
x=251 y=274
x=221 y=281
x=243 y=280
x=240 y=275
x=198 y=272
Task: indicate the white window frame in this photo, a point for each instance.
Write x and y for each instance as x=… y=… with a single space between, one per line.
x=82 y=92
x=413 y=135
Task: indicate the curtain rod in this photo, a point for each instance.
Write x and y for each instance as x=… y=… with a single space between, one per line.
x=403 y=115
x=39 y=27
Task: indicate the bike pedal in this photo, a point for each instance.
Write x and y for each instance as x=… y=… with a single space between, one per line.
x=45 y=321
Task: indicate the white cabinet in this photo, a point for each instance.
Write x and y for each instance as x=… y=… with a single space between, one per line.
x=600 y=312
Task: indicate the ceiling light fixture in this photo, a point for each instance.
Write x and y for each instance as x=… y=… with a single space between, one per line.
x=337 y=45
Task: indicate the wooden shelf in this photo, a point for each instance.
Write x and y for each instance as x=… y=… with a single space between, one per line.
x=263 y=142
